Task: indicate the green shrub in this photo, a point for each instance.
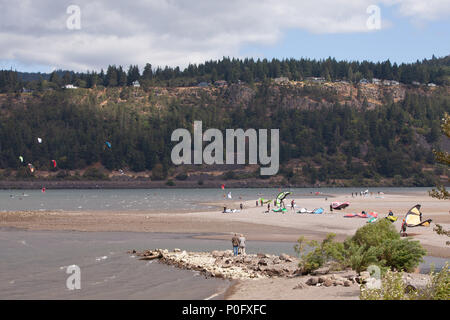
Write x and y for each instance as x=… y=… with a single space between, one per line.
x=376 y=243
x=374 y=234
x=401 y=255
x=438 y=288
x=394 y=288
x=170 y=183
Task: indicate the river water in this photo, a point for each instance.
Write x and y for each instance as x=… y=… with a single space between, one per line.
x=155 y=199
x=33 y=265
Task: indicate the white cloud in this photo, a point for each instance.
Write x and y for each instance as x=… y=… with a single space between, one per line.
x=174 y=32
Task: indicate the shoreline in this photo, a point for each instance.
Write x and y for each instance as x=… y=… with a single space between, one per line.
x=162 y=184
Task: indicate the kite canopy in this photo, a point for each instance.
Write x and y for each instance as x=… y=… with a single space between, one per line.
x=31 y=167
x=339 y=206
x=281 y=196
x=414 y=217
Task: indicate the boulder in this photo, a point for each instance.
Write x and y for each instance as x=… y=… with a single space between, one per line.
x=228 y=253
x=312 y=281
x=364 y=275
x=285 y=257
x=347 y=283
x=300 y=285
x=321 y=271
x=274 y=271
x=322 y=279
x=176 y=250
x=263 y=262
x=217 y=254
x=328 y=282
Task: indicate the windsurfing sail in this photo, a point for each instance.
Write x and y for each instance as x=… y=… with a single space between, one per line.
x=229 y=195
x=281 y=196
x=54 y=163
x=39 y=140
x=21 y=158
x=317 y=211
x=108 y=144
x=222 y=186
x=414 y=217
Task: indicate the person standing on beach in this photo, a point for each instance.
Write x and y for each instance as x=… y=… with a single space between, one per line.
x=292 y=204
x=235 y=242
x=268 y=206
x=242 y=244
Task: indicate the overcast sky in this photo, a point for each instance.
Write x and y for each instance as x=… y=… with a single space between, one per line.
x=34 y=35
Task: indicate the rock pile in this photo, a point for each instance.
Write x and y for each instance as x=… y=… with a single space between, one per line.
x=222 y=264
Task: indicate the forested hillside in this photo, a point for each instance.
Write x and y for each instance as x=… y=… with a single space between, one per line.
x=329 y=133
x=332 y=132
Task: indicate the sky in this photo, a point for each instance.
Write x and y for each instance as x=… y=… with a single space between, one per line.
x=81 y=35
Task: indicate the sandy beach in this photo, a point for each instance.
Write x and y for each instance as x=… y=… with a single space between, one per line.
x=252 y=221
x=257 y=225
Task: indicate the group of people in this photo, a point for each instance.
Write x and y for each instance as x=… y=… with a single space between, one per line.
x=238 y=242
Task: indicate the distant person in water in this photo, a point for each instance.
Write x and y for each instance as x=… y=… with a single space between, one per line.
x=242 y=244
x=235 y=243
